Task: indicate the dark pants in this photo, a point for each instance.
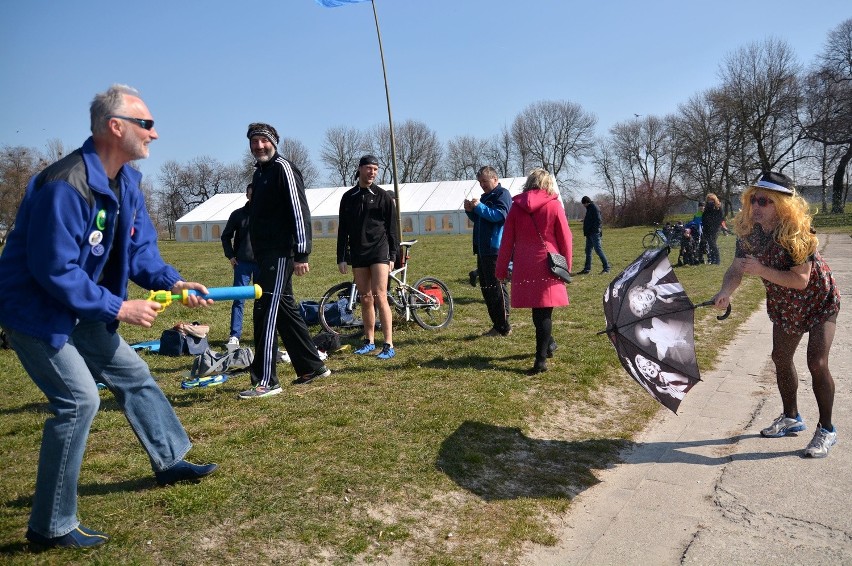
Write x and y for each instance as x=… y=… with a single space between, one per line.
x=276 y=310
x=593 y=242
x=543 y=322
x=494 y=292
x=712 y=246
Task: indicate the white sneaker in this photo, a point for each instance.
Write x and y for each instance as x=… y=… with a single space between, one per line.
x=822 y=442
x=283 y=356
x=233 y=344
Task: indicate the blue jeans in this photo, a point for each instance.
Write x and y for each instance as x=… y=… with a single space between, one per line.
x=244 y=273
x=594 y=242
x=67 y=378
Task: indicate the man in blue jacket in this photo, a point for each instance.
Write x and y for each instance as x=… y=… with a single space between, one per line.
x=488 y=215
x=82 y=231
x=593 y=231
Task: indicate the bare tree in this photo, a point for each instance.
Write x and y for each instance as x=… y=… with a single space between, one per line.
x=17 y=165
x=418 y=152
x=465 y=155
x=707 y=142
x=341 y=151
x=183 y=187
x=827 y=111
x=499 y=153
x=555 y=135
x=297 y=153
x=760 y=86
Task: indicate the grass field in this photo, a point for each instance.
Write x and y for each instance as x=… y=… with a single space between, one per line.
x=446 y=454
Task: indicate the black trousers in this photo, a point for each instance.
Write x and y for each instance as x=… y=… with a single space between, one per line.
x=543 y=322
x=276 y=311
x=494 y=292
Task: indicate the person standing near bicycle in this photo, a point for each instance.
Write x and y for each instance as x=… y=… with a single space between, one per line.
x=488 y=214
x=280 y=230
x=367 y=240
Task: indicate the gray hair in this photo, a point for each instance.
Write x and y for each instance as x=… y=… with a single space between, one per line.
x=486 y=172
x=108 y=103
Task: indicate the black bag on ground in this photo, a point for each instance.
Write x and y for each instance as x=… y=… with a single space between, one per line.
x=175 y=343
x=559 y=266
x=327 y=342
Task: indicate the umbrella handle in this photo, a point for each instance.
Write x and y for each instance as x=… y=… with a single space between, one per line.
x=711 y=303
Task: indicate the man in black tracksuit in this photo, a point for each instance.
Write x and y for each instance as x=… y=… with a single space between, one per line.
x=280 y=229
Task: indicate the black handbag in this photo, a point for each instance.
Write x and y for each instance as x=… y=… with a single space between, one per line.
x=555 y=261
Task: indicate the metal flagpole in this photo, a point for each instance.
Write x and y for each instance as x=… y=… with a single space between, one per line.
x=390 y=125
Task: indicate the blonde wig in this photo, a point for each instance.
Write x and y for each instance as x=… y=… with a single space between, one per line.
x=793 y=232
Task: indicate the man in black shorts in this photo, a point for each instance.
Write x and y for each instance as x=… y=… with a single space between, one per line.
x=367 y=240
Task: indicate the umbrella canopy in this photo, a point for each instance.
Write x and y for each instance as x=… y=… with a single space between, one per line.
x=650 y=322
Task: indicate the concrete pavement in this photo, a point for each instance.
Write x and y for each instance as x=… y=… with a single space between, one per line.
x=704 y=488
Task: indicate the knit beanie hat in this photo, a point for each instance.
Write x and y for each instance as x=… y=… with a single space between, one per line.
x=265 y=130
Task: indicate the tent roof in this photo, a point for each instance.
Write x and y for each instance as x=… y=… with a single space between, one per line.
x=325 y=202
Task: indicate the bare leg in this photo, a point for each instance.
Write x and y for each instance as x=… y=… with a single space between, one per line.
x=819 y=345
x=783 y=347
x=368 y=310
x=379 y=289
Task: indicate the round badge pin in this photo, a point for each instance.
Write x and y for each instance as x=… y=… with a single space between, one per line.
x=98 y=250
x=96 y=238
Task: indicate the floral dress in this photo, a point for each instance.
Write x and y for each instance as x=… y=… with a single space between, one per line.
x=796 y=311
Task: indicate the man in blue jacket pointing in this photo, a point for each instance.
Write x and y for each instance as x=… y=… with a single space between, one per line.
x=81 y=233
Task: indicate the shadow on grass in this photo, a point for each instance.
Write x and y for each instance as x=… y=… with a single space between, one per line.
x=495 y=462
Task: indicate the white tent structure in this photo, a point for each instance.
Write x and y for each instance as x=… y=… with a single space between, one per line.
x=427 y=208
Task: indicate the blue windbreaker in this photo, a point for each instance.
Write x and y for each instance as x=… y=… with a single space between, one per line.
x=74 y=248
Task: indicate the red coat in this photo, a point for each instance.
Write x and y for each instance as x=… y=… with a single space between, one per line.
x=533 y=285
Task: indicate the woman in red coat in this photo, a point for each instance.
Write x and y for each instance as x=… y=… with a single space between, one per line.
x=535 y=225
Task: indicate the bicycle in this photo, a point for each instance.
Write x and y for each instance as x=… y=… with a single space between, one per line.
x=428 y=302
x=661 y=237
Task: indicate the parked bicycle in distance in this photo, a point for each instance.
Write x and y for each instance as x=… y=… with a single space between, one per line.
x=428 y=302
x=669 y=235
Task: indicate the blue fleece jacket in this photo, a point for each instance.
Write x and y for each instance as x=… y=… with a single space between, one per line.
x=74 y=248
x=488 y=218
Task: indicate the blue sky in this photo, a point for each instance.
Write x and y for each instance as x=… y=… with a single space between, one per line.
x=464 y=67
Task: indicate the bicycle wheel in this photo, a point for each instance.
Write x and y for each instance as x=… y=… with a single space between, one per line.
x=431 y=303
x=351 y=324
x=651 y=240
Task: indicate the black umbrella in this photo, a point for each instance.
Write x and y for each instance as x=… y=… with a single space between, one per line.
x=650 y=322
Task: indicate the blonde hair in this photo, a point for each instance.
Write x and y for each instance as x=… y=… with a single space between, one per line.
x=794 y=229
x=540 y=179
x=711 y=197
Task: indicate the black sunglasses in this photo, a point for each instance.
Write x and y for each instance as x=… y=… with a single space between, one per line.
x=146 y=124
x=760 y=201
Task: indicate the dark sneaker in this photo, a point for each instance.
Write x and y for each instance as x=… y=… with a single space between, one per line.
x=473 y=275
x=260 y=391
x=584 y=272
x=496 y=332
x=605 y=270
x=184 y=471
x=539 y=367
x=821 y=443
x=783 y=426
x=387 y=352
x=80 y=537
x=366 y=348
x=309 y=377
